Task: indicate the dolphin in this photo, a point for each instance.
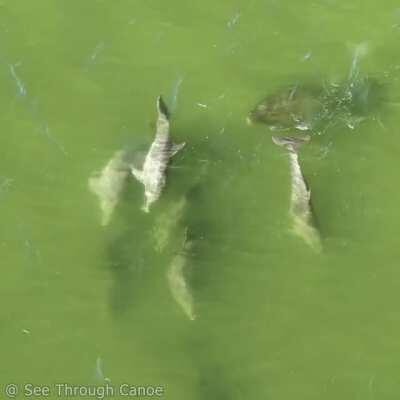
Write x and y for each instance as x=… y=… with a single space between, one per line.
x=167 y=224
x=300 y=203
x=171 y=238
x=109 y=184
x=153 y=172
x=177 y=281
x=170 y=235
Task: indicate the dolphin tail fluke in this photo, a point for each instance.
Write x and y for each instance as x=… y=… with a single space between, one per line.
x=308 y=232
x=175 y=148
x=291 y=143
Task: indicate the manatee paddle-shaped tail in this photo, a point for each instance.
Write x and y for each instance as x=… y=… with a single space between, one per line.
x=154 y=170
x=300 y=202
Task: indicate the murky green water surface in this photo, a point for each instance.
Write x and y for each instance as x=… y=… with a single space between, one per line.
x=89 y=305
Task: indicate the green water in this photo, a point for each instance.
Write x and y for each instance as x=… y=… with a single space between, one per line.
x=82 y=304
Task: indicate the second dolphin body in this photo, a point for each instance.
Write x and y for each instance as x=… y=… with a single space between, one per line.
x=153 y=172
x=177 y=281
x=300 y=203
x=170 y=238
x=109 y=184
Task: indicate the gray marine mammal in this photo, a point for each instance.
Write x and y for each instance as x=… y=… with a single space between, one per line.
x=177 y=282
x=315 y=106
x=293 y=107
x=109 y=184
x=153 y=172
x=171 y=237
x=300 y=202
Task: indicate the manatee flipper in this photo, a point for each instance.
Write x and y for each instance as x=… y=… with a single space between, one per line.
x=138 y=174
x=175 y=148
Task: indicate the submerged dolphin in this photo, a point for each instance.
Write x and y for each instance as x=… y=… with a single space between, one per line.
x=167 y=225
x=171 y=238
x=108 y=185
x=170 y=235
x=177 y=281
x=153 y=172
x=300 y=204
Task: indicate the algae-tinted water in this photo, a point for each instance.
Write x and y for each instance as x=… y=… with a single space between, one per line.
x=83 y=304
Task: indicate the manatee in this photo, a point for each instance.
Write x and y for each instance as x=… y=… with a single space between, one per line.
x=314 y=106
x=291 y=107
